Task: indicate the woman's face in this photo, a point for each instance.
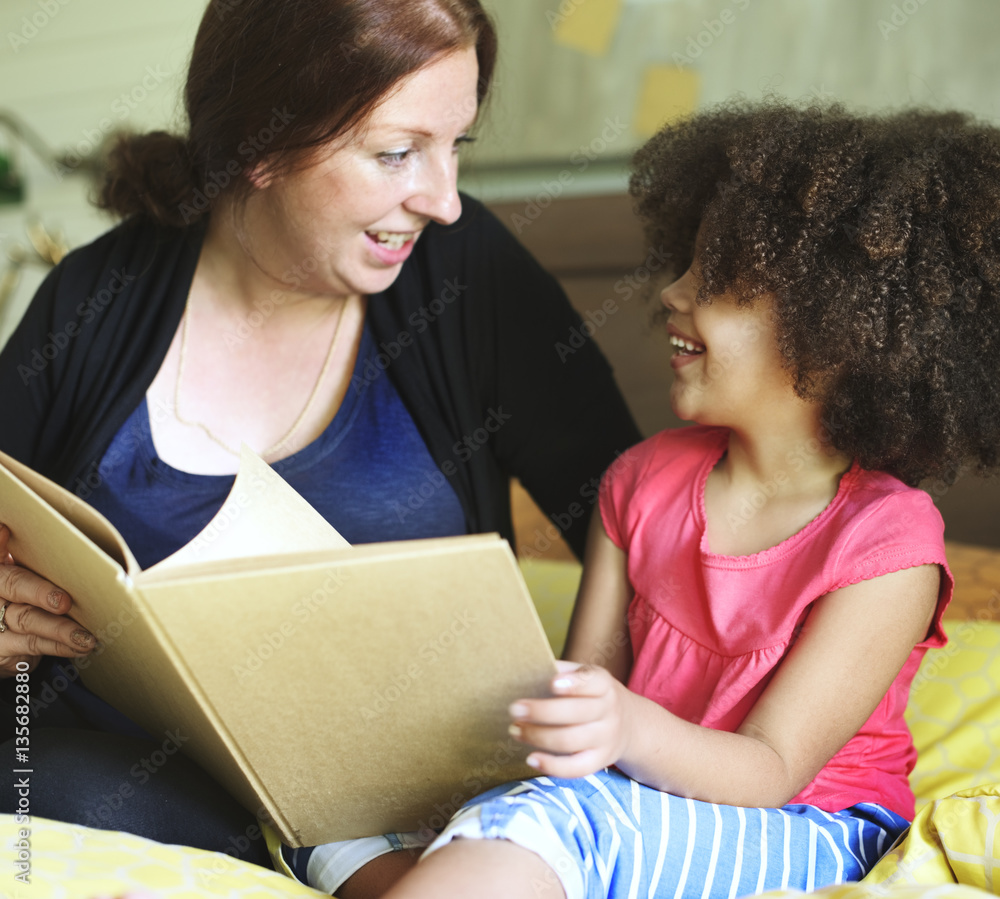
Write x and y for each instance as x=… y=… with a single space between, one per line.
x=345 y=225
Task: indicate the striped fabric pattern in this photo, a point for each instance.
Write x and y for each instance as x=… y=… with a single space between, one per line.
x=608 y=836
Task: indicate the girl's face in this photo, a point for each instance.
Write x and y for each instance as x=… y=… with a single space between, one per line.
x=727 y=367
x=345 y=225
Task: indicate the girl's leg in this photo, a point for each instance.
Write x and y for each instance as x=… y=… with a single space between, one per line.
x=607 y=836
x=481 y=868
x=375 y=878
x=361 y=868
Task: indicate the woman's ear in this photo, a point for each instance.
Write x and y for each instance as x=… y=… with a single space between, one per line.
x=259 y=175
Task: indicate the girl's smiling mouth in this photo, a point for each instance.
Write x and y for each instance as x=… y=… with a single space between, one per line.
x=686 y=347
x=686 y=350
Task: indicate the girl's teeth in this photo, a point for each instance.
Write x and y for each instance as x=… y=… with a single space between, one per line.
x=686 y=345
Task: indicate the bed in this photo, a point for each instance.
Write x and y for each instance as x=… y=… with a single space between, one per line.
x=950 y=851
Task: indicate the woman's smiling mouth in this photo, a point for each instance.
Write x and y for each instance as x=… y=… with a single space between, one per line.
x=391 y=240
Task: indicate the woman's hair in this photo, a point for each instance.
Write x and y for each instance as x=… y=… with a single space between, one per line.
x=879 y=237
x=272 y=80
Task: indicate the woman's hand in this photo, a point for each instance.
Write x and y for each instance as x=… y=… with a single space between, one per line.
x=583 y=728
x=36 y=618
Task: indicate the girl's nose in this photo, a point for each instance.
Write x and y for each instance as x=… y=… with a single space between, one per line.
x=678 y=296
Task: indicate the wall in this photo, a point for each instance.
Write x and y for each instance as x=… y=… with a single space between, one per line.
x=74 y=70
x=555 y=101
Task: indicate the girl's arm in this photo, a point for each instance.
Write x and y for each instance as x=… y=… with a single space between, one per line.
x=852 y=646
x=598 y=630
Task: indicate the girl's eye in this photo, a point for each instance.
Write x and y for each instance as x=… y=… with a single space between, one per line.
x=464 y=139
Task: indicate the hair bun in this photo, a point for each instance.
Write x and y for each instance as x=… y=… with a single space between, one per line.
x=149 y=174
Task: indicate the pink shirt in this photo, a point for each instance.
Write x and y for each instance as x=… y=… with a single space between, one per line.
x=708 y=630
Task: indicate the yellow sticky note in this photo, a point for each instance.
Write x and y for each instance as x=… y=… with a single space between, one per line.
x=586 y=25
x=667 y=93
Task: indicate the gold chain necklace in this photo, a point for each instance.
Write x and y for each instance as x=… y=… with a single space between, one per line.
x=295 y=425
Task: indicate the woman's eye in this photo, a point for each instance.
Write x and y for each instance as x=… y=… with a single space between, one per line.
x=394 y=157
x=464 y=139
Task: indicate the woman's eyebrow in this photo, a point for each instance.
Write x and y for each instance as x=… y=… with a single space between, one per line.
x=396 y=129
x=411 y=130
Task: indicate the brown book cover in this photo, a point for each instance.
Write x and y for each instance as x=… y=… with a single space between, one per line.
x=336 y=691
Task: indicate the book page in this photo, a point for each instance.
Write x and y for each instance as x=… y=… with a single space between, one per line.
x=65 y=506
x=215 y=569
x=262 y=516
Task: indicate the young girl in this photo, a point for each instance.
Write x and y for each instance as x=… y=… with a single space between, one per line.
x=770 y=578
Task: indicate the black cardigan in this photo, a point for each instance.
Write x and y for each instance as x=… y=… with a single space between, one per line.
x=467 y=333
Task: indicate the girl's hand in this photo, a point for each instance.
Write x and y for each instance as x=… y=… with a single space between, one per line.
x=583 y=728
x=35 y=619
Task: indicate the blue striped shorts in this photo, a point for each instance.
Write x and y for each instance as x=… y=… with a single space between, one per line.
x=608 y=836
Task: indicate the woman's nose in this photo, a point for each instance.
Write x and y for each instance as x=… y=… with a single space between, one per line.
x=438 y=198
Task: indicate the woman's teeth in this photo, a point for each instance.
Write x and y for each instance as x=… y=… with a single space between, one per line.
x=390 y=240
x=686 y=347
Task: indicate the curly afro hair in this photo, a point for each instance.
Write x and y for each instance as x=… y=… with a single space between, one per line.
x=879 y=238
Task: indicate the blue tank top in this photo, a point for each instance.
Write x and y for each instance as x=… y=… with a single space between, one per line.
x=369 y=474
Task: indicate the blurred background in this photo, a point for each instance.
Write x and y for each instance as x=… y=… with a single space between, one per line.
x=581 y=84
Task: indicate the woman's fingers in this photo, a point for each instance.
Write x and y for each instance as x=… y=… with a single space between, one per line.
x=27 y=588
x=13 y=653
x=28 y=648
x=20 y=585
x=32 y=631
x=34 y=618
x=34 y=621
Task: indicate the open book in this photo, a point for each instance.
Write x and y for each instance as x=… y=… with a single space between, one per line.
x=336 y=691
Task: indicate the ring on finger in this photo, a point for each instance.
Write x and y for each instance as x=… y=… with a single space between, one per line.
x=3 y=612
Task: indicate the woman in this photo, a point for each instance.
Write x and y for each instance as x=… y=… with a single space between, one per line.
x=299 y=273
